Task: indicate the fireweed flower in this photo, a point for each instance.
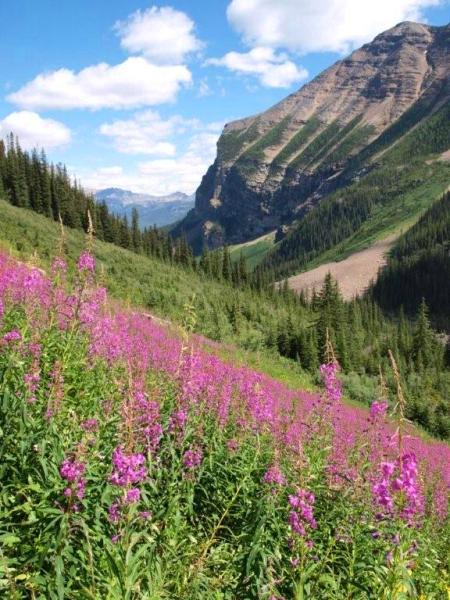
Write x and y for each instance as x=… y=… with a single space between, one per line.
x=378 y=410
x=114 y=513
x=73 y=472
x=59 y=267
x=193 y=457
x=301 y=517
x=132 y=496
x=146 y=416
x=232 y=445
x=274 y=476
x=89 y=425
x=128 y=468
x=333 y=386
x=86 y=262
x=12 y=336
x=397 y=489
x=178 y=421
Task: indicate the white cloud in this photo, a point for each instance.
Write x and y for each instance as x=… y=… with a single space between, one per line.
x=164 y=35
x=272 y=69
x=319 y=25
x=184 y=172
x=130 y=84
x=162 y=175
x=35 y=131
x=147 y=133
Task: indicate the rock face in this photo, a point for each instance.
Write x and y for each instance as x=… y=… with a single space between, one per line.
x=272 y=167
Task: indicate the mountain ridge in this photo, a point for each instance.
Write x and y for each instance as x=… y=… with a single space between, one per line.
x=152 y=210
x=274 y=167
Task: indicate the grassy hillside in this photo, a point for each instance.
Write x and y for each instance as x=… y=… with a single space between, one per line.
x=135 y=468
x=162 y=289
x=254 y=251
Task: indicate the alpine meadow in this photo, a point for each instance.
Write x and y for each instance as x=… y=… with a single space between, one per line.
x=225 y=339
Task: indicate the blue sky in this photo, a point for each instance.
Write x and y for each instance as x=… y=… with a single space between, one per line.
x=134 y=94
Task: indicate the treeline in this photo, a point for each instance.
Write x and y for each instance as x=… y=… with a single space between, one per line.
x=419 y=267
x=361 y=336
x=28 y=180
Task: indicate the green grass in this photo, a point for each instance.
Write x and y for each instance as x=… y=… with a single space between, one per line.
x=255 y=251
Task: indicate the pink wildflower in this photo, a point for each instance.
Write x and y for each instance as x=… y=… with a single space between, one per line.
x=274 y=476
x=333 y=386
x=12 y=336
x=86 y=262
x=73 y=472
x=128 y=468
x=192 y=458
x=302 y=515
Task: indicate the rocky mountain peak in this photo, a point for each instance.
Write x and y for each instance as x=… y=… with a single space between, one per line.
x=270 y=165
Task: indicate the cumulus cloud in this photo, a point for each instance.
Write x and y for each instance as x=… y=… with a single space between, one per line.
x=35 y=131
x=146 y=133
x=319 y=25
x=130 y=84
x=272 y=69
x=184 y=172
x=164 y=35
x=162 y=176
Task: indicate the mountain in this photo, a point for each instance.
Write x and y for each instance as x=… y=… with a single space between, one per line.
x=153 y=210
x=274 y=168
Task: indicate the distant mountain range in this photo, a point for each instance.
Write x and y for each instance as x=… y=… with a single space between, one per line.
x=153 y=210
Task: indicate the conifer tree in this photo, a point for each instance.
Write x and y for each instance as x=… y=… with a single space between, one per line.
x=136 y=237
x=226 y=264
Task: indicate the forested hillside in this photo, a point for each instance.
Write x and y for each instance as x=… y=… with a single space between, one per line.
x=419 y=267
x=27 y=180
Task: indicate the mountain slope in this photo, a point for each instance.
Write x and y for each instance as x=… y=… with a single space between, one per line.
x=391 y=196
x=152 y=210
x=271 y=169
x=353 y=274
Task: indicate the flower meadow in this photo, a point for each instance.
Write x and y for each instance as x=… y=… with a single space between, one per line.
x=135 y=464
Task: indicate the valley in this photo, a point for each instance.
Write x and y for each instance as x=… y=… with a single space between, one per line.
x=241 y=393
